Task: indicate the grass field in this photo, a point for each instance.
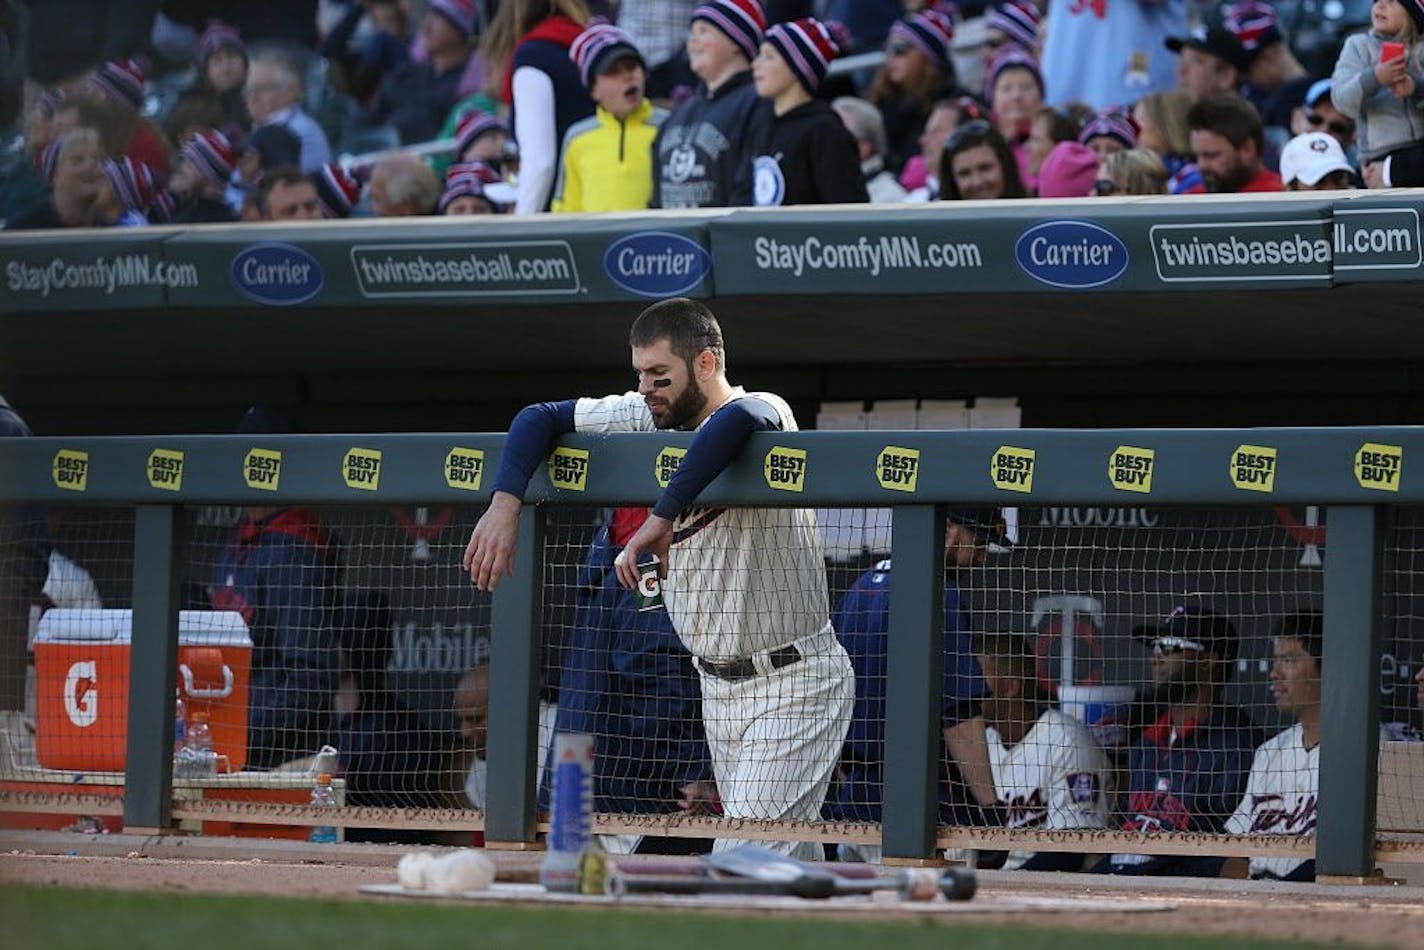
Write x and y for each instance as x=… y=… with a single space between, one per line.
x=56 y=918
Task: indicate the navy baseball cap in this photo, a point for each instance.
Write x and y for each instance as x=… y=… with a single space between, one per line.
x=1195 y=628
x=1216 y=41
x=988 y=525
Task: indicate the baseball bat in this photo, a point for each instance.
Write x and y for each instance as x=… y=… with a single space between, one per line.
x=808 y=886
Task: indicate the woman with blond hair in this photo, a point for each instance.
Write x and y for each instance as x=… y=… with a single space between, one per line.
x=1134 y=171
x=527 y=51
x=1161 y=118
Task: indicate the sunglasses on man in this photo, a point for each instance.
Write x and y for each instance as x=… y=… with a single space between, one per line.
x=1337 y=127
x=1171 y=646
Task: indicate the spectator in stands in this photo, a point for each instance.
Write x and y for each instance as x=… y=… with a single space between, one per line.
x=977 y=164
x=1275 y=80
x=1049 y=127
x=866 y=126
x=921 y=176
x=1110 y=54
x=1137 y=171
x=1228 y=141
x=629 y=682
x=481 y=137
x=73 y=167
x=1109 y=132
x=475 y=188
x=403 y=186
x=194 y=112
x=1211 y=62
x=281 y=572
x=918 y=72
x=273 y=94
x=337 y=190
x=1069 y=171
x=199 y=183
x=383 y=50
x=1161 y=119
x=285 y=194
x=1317 y=113
x=21 y=186
x=607 y=160
x=1012 y=23
x=126 y=194
x=703 y=153
x=1015 y=91
x=416 y=96
x=1281 y=789
x=808 y=156
x=1187 y=768
x=221 y=60
x=862 y=621
x=472 y=710
x=121 y=84
x=1386 y=98
x=1316 y=162
x=528 y=45
x=1050 y=772
x=656 y=28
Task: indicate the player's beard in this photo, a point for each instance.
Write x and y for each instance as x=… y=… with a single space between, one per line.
x=683 y=410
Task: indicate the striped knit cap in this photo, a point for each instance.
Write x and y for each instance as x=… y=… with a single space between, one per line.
x=598 y=47
x=743 y=22
x=48 y=160
x=1113 y=124
x=212 y=154
x=1415 y=9
x=467 y=179
x=121 y=82
x=218 y=35
x=1255 y=24
x=930 y=31
x=461 y=14
x=1012 y=57
x=132 y=181
x=807 y=46
x=474 y=124
x=1017 y=20
x=337 y=190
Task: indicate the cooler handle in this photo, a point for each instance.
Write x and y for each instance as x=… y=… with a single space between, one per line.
x=222 y=693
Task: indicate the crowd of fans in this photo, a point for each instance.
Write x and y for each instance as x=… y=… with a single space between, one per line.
x=579 y=105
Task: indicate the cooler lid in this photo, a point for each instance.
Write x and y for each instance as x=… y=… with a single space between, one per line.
x=108 y=625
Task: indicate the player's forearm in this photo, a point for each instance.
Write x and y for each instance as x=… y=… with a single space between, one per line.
x=531 y=436
x=718 y=442
x=968 y=746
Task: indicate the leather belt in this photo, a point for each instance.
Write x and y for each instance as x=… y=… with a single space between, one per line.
x=743 y=668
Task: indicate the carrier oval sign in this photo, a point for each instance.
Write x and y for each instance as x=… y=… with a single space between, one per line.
x=656 y=263
x=277 y=274
x=1071 y=254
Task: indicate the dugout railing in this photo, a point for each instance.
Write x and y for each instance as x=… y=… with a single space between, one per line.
x=1360 y=477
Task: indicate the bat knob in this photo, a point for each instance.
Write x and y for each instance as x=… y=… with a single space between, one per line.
x=814 y=886
x=958 y=884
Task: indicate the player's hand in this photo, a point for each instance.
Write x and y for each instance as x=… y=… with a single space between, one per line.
x=655 y=537
x=490 y=553
x=700 y=798
x=1391 y=72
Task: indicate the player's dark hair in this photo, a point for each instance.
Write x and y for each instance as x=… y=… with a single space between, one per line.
x=1307 y=626
x=1230 y=117
x=687 y=325
x=1011 y=649
x=281 y=175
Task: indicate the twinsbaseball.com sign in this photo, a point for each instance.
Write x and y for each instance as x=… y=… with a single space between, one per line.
x=465 y=269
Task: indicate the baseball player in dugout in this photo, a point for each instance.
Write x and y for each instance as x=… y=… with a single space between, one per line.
x=745 y=587
x=862 y=619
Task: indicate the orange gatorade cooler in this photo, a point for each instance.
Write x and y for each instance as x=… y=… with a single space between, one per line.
x=82 y=685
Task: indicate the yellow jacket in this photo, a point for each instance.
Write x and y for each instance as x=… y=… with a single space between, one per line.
x=607 y=163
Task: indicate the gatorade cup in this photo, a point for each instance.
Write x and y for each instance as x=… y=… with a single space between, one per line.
x=571 y=814
x=650 y=587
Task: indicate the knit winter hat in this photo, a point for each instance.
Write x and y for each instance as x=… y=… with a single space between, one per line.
x=218 y=35
x=48 y=160
x=475 y=179
x=474 y=124
x=1114 y=124
x=599 y=47
x=1255 y=25
x=121 y=82
x=164 y=207
x=808 y=46
x=930 y=31
x=1012 y=57
x=212 y=154
x=337 y=190
x=1415 y=9
x=132 y=181
x=1068 y=171
x=461 y=14
x=1016 y=19
x=743 y=22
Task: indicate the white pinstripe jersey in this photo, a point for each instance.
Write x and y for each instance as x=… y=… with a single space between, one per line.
x=1280 y=796
x=1056 y=777
x=740 y=580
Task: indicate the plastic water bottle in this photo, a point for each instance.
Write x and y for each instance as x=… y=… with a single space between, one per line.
x=180 y=725
x=197 y=759
x=571 y=814
x=323 y=797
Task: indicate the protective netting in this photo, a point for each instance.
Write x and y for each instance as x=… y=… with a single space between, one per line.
x=1401 y=679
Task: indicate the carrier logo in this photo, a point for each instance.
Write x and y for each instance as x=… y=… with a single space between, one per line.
x=1011 y=469
x=785 y=469
x=81 y=693
x=656 y=263
x=262 y=469
x=898 y=469
x=361 y=468
x=1131 y=469
x=666 y=464
x=1253 y=468
x=1071 y=254
x=165 y=469
x=568 y=468
x=1379 y=466
x=279 y=275
x=70 y=470
x=465 y=468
